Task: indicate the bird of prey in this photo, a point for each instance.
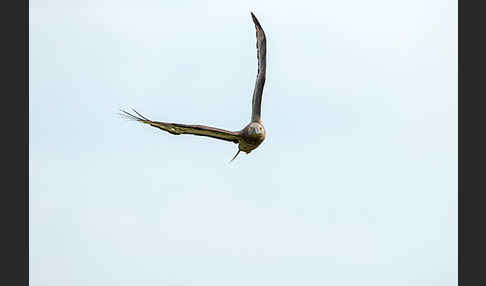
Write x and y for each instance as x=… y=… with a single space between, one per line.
x=248 y=138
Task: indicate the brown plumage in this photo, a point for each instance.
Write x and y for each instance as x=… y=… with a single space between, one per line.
x=252 y=135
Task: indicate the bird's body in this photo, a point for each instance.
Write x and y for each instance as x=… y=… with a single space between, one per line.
x=252 y=135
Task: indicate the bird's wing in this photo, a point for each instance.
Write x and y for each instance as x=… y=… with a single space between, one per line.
x=177 y=129
x=261 y=46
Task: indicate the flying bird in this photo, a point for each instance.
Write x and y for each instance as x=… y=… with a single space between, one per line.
x=248 y=138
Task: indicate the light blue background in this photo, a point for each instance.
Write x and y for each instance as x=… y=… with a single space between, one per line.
x=356 y=183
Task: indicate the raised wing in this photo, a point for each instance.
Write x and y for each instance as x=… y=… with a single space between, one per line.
x=177 y=129
x=262 y=66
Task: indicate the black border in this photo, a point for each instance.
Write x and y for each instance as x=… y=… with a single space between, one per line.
x=15 y=143
x=471 y=143
x=460 y=130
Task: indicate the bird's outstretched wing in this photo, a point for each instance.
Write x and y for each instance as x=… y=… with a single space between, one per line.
x=177 y=129
x=261 y=46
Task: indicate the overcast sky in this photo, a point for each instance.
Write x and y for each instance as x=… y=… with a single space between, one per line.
x=355 y=184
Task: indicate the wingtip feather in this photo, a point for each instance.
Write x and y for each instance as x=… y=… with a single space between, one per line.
x=130 y=116
x=255 y=20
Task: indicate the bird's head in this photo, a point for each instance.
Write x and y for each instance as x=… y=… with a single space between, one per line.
x=256 y=129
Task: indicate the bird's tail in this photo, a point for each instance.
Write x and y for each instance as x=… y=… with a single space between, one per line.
x=235 y=155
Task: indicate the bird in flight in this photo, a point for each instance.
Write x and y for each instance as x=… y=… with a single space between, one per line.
x=248 y=138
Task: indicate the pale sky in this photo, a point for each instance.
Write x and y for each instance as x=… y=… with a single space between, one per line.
x=355 y=184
